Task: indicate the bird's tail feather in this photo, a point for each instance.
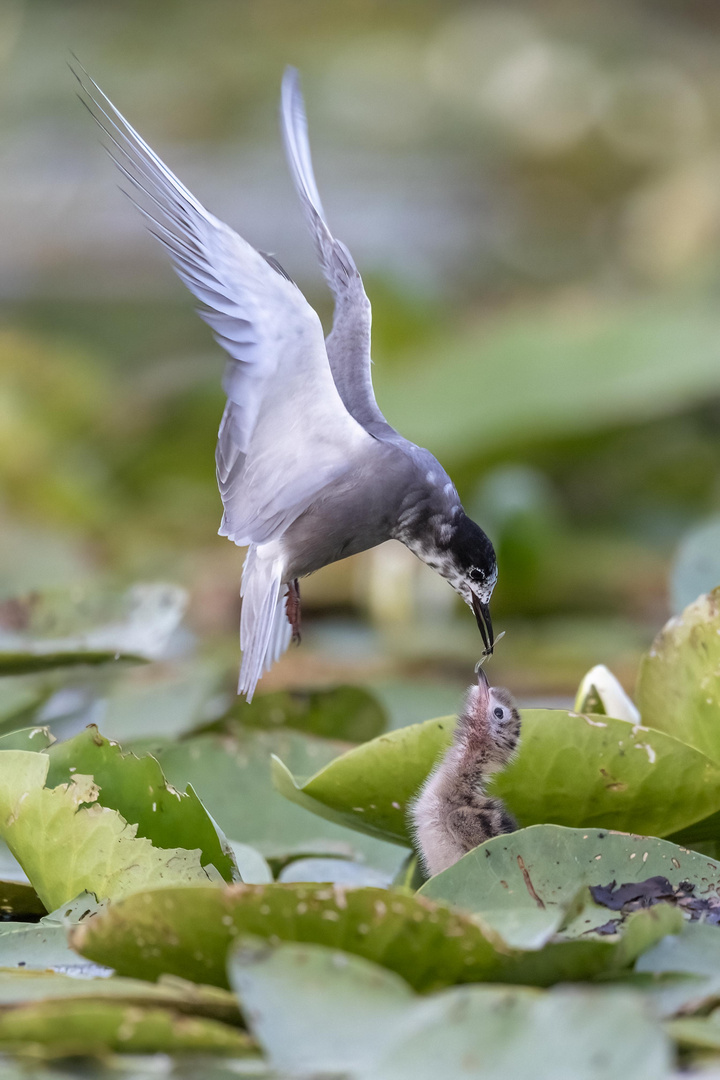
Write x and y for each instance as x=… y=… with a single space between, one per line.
x=264 y=628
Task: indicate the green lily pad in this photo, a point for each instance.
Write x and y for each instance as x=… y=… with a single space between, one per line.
x=342 y=712
x=66 y=842
x=169 y=703
x=369 y=788
x=64 y=629
x=32 y=738
x=65 y=1028
x=189 y=933
x=684 y=970
x=43 y=944
x=232 y=778
x=678 y=687
x=524 y=885
x=21 y=987
x=570 y=769
x=315 y=1010
x=322 y=1012
x=336 y=871
x=696 y=1032
x=137 y=789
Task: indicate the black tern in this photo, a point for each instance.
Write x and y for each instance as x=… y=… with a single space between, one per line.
x=309 y=470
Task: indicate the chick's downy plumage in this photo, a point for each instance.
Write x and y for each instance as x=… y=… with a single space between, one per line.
x=452 y=814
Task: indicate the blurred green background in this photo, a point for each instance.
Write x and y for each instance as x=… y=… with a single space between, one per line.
x=532 y=193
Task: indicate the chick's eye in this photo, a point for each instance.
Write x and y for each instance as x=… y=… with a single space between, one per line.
x=498 y=713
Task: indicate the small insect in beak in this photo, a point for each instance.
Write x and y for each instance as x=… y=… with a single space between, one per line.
x=482 y=615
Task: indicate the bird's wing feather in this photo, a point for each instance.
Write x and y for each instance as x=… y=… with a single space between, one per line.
x=285 y=432
x=348 y=344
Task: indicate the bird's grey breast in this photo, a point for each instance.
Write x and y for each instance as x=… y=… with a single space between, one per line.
x=355 y=512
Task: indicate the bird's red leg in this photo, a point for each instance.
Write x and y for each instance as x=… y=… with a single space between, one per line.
x=292 y=607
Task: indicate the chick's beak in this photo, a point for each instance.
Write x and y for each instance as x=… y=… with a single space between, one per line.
x=482 y=615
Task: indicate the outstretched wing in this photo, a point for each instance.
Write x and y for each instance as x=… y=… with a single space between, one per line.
x=348 y=344
x=285 y=432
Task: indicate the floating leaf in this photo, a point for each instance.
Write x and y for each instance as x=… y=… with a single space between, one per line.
x=684 y=970
x=324 y=1012
x=525 y=884
x=64 y=629
x=66 y=1028
x=167 y=703
x=554 y=371
x=679 y=686
x=189 y=932
x=32 y=738
x=66 y=842
x=44 y=944
x=342 y=712
x=370 y=787
x=318 y=1011
x=19 y=987
x=137 y=789
x=570 y=770
x=697 y=1033
x=232 y=777
x=336 y=871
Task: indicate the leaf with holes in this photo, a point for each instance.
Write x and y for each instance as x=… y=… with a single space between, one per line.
x=189 y=932
x=525 y=885
x=67 y=843
x=137 y=789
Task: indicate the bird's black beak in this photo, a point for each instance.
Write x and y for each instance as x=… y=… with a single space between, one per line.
x=482 y=614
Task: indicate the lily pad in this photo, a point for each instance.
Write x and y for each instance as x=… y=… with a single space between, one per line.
x=681 y=973
x=169 y=703
x=39 y=632
x=370 y=787
x=137 y=789
x=524 y=885
x=65 y=1028
x=570 y=769
x=66 y=842
x=336 y=871
x=232 y=778
x=21 y=987
x=189 y=933
x=342 y=712
x=315 y=1010
x=32 y=738
x=678 y=687
x=323 y=1012
x=43 y=944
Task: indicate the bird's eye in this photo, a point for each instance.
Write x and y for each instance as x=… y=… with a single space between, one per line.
x=475 y=574
x=498 y=713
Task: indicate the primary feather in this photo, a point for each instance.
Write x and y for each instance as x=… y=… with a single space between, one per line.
x=348 y=344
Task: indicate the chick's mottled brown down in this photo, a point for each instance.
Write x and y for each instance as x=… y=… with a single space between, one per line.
x=452 y=814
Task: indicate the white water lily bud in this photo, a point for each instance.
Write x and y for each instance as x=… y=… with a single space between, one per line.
x=600 y=692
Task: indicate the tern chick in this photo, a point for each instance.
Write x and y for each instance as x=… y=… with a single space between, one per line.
x=308 y=468
x=452 y=814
